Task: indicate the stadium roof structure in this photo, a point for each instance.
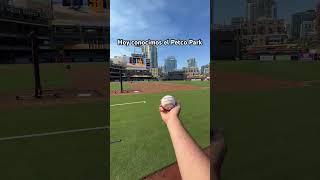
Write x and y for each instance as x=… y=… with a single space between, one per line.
x=25 y=16
x=85 y=16
x=141 y=76
x=85 y=47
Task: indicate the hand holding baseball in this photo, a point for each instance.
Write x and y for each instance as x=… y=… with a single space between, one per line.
x=168 y=102
x=170 y=115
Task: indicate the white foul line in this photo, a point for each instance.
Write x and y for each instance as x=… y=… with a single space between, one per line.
x=53 y=133
x=139 y=102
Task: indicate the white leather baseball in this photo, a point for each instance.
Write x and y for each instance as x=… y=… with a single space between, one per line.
x=168 y=102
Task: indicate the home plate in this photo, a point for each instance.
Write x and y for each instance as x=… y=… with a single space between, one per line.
x=136 y=91
x=85 y=95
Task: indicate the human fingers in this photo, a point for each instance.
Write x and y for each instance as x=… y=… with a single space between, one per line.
x=161 y=109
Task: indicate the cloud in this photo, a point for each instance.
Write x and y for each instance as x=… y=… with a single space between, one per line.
x=160 y=19
x=119 y=50
x=141 y=19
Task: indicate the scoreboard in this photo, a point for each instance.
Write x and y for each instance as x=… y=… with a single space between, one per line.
x=136 y=61
x=148 y=63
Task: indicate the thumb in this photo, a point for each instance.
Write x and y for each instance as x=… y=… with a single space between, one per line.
x=178 y=104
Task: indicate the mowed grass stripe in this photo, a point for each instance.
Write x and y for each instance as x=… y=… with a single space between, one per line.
x=295 y=71
x=194 y=83
x=52 y=133
x=117 y=86
x=79 y=156
x=270 y=134
x=19 y=77
x=33 y=120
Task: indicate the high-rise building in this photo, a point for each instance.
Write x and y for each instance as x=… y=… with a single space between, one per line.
x=151 y=53
x=3 y=3
x=250 y=7
x=297 y=19
x=260 y=9
x=264 y=32
x=205 y=69
x=192 y=62
x=275 y=11
x=170 y=64
x=155 y=72
x=236 y=22
x=317 y=21
x=307 y=30
x=288 y=30
x=192 y=72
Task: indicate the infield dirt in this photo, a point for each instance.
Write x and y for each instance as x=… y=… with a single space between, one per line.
x=242 y=82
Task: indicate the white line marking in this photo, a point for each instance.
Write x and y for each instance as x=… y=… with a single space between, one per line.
x=139 y=102
x=85 y=95
x=53 y=133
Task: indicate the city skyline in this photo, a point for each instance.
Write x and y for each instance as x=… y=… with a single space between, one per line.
x=151 y=53
x=286 y=8
x=169 y=20
x=170 y=64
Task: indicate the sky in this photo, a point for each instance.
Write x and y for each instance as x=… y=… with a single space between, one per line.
x=160 y=20
x=224 y=10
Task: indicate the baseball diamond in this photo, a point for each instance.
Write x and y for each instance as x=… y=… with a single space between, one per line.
x=65 y=130
x=146 y=146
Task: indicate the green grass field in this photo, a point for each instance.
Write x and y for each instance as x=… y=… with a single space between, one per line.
x=117 y=86
x=74 y=156
x=297 y=71
x=15 y=77
x=19 y=77
x=271 y=134
x=146 y=145
x=194 y=83
x=80 y=155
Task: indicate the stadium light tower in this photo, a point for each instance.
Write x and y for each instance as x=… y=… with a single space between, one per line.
x=122 y=65
x=36 y=68
x=121 y=87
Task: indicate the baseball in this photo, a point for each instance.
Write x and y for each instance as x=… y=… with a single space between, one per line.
x=168 y=102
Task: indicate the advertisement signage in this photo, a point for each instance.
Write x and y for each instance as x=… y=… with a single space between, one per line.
x=306 y=57
x=266 y=58
x=136 y=62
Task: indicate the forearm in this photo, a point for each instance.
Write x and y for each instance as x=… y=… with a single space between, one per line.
x=192 y=161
